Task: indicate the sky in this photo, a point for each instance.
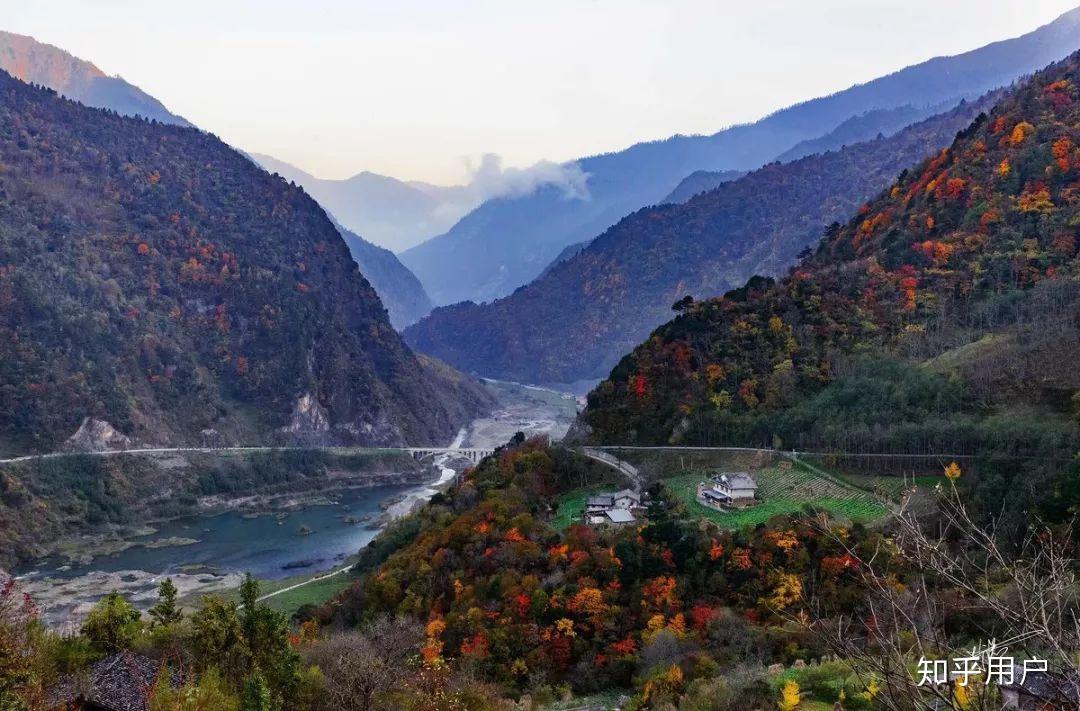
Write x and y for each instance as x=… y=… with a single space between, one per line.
x=420 y=89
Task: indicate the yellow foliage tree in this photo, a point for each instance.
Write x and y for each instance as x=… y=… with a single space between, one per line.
x=788 y=591
x=789 y=696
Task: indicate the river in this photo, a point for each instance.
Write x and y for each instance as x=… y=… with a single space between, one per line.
x=205 y=554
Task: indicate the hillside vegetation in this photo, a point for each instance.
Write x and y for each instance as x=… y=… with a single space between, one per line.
x=942 y=318
x=154 y=278
x=400 y=291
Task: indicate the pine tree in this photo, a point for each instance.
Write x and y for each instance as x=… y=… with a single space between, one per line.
x=165 y=612
x=256 y=695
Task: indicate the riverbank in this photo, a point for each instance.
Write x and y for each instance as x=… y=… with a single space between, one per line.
x=285 y=537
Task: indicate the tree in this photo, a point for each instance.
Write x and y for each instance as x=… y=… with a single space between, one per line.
x=684 y=304
x=1026 y=592
x=209 y=692
x=165 y=612
x=217 y=638
x=19 y=633
x=789 y=696
x=256 y=696
x=113 y=624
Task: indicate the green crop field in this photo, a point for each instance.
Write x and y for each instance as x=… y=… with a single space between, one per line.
x=315 y=593
x=783 y=491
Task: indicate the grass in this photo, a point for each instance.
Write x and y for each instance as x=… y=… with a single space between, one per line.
x=314 y=593
x=783 y=491
x=311 y=594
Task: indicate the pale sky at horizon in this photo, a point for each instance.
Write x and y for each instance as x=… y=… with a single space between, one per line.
x=416 y=88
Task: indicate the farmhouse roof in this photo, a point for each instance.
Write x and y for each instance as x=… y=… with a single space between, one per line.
x=121 y=682
x=620 y=516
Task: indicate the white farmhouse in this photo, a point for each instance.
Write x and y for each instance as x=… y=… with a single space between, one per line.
x=614 y=508
x=728 y=489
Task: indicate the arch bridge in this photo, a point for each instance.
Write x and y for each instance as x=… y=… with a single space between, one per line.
x=473 y=454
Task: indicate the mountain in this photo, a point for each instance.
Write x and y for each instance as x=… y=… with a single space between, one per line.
x=37 y=63
x=700 y=181
x=576 y=321
x=507 y=242
x=157 y=285
x=391 y=212
x=879 y=122
x=942 y=318
x=402 y=294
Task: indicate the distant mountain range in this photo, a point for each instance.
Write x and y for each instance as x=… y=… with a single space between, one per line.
x=390 y=212
x=402 y=294
x=576 y=321
x=156 y=283
x=941 y=318
x=507 y=242
x=37 y=63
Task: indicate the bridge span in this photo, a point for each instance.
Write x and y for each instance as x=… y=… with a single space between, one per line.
x=473 y=454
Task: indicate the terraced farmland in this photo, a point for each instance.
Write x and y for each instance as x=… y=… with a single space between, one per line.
x=783 y=491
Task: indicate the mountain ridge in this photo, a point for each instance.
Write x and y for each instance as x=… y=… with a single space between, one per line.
x=155 y=279
x=505 y=243
x=401 y=292
x=392 y=213
x=35 y=62
x=575 y=322
x=942 y=317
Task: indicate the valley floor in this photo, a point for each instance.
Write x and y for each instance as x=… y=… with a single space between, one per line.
x=293 y=539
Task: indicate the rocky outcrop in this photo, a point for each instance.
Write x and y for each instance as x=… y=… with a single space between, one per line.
x=309 y=422
x=96 y=436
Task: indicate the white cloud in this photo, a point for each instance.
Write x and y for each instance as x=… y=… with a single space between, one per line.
x=489 y=179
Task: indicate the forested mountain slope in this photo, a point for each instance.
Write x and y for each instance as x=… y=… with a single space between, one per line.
x=37 y=63
x=154 y=278
x=507 y=242
x=701 y=181
x=577 y=320
x=401 y=292
x=944 y=317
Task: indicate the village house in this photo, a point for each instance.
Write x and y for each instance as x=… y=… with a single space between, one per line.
x=612 y=508
x=728 y=489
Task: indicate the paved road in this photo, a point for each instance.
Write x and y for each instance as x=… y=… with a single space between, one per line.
x=611 y=460
x=597 y=452
x=466 y=451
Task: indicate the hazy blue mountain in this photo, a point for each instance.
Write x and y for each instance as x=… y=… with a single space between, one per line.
x=401 y=292
x=879 y=122
x=506 y=242
x=575 y=322
x=388 y=211
x=700 y=181
x=38 y=63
